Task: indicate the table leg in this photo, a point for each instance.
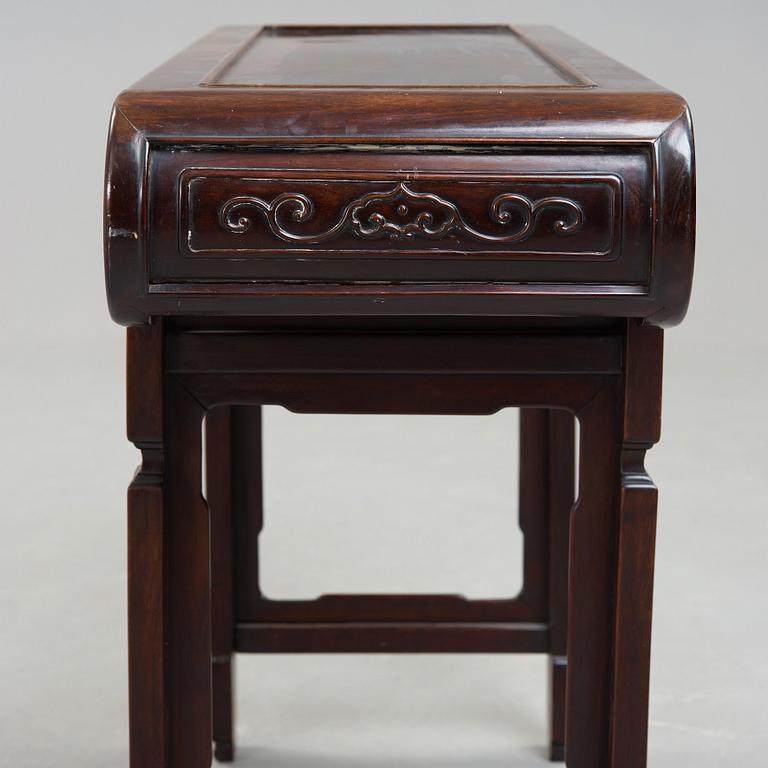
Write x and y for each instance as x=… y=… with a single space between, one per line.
x=636 y=542
x=168 y=569
x=611 y=566
x=561 y=477
x=233 y=464
x=546 y=490
x=218 y=460
x=590 y=584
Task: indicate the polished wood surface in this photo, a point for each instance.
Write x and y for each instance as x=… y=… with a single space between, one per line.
x=360 y=198
x=609 y=381
x=396 y=220
x=168 y=567
x=390 y=56
x=547 y=489
x=220 y=469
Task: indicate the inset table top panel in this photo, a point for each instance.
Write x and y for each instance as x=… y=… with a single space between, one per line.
x=392 y=56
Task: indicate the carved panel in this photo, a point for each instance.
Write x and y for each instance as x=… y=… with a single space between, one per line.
x=250 y=216
x=368 y=216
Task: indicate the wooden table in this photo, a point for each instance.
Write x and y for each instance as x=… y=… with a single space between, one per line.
x=443 y=220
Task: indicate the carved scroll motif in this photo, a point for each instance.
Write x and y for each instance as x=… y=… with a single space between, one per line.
x=364 y=217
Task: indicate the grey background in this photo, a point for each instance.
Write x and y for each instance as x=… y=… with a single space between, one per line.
x=65 y=461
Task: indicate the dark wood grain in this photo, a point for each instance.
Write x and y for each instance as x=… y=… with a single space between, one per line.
x=604 y=141
x=608 y=380
x=187 y=585
x=591 y=584
x=146 y=598
x=560 y=484
x=426 y=56
x=398 y=373
x=146 y=656
x=392 y=637
x=387 y=240
x=547 y=475
x=168 y=568
x=248 y=501
x=225 y=213
x=219 y=466
x=408 y=353
x=636 y=546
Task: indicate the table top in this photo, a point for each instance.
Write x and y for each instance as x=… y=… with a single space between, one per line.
x=433 y=170
x=483 y=82
x=395 y=57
